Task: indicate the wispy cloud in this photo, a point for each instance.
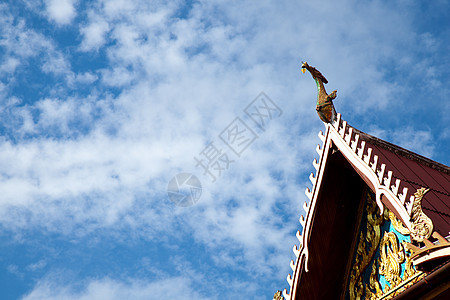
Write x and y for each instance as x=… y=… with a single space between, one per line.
x=106 y=288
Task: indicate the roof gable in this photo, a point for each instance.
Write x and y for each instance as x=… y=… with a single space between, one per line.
x=394 y=174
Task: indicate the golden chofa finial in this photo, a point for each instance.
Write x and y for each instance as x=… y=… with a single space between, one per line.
x=324 y=106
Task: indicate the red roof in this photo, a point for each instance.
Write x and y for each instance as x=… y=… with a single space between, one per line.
x=415 y=172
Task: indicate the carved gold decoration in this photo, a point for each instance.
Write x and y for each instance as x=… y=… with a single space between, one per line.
x=374 y=285
x=404 y=286
x=367 y=246
x=278 y=296
x=409 y=270
x=392 y=255
x=430 y=251
x=422 y=226
x=397 y=224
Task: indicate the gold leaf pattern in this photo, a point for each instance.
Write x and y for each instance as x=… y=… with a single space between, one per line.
x=366 y=249
x=393 y=255
x=422 y=226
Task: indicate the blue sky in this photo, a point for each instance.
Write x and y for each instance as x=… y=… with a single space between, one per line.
x=103 y=102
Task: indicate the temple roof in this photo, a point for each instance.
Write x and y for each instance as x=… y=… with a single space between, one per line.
x=414 y=172
x=350 y=159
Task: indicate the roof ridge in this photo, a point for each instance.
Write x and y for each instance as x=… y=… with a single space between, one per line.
x=403 y=152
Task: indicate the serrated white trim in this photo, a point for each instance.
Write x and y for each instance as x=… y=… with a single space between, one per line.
x=409 y=205
x=361 y=149
x=299 y=237
x=355 y=142
x=312 y=178
x=374 y=177
x=342 y=130
x=387 y=180
x=308 y=193
x=292 y=265
x=380 y=173
x=289 y=280
x=367 y=157
x=338 y=121
x=316 y=164
x=302 y=220
x=395 y=187
x=374 y=163
x=303 y=253
x=402 y=196
x=319 y=150
x=348 y=137
x=296 y=251
x=305 y=206
x=321 y=136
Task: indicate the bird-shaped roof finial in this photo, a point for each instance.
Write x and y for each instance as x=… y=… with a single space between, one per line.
x=324 y=106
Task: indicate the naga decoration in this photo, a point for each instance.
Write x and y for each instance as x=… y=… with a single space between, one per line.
x=392 y=255
x=422 y=226
x=324 y=106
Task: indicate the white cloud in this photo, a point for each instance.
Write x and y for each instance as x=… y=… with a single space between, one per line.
x=9 y=65
x=110 y=289
x=14 y=269
x=57 y=113
x=86 y=78
x=22 y=44
x=118 y=77
x=94 y=34
x=61 y=11
x=19 y=40
x=175 y=97
x=37 y=265
x=419 y=141
x=182 y=82
x=56 y=64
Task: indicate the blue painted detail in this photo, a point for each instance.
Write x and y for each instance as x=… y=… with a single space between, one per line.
x=388 y=227
x=384 y=229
